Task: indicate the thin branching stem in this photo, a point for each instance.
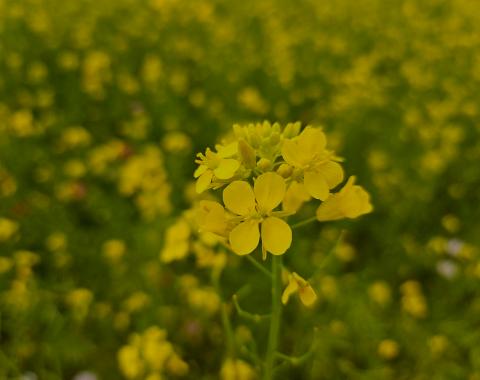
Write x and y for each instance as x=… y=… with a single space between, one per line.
x=304 y=222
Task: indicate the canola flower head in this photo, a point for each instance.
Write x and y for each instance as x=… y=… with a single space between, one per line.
x=267 y=174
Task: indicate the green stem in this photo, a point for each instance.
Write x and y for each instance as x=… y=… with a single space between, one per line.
x=228 y=331
x=275 y=317
x=304 y=222
x=245 y=314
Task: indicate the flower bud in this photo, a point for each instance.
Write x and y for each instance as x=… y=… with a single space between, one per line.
x=264 y=164
x=285 y=170
x=247 y=154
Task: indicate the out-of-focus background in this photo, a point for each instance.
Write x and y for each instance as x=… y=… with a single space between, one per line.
x=103 y=106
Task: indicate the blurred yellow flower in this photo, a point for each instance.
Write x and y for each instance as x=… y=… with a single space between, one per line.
x=176 y=242
x=79 y=301
x=380 y=293
x=150 y=356
x=236 y=369
x=8 y=228
x=6 y=264
x=130 y=362
x=388 y=349
x=114 y=250
x=413 y=301
x=56 y=241
x=350 y=202
x=438 y=344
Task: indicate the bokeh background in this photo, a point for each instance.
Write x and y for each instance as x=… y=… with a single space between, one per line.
x=103 y=106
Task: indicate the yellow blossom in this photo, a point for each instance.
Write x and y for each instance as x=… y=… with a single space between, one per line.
x=380 y=293
x=255 y=208
x=176 y=242
x=214 y=166
x=212 y=217
x=388 y=349
x=6 y=264
x=236 y=369
x=8 y=228
x=130 y=362
x=307 y=153
x=350 y=202
x=295 y=197
x=298 y=284
x=113 y=250
x=57 y=241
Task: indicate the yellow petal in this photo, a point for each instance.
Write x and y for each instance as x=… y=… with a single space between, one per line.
x=316 y=185
x=226 y=168
x=204 y=181
x=244 y=238
x=291 y=288
x=330 y=209
x=350 y=202
x=200 y=170
x=276 y=235
x=290 y=153
x=312 y=141
x=356 y=202
x=332 y=172
x=269 y=191
x=239 y=198
x=229 y=150
x=211 y=217
x=307 y=295
x=295 y=196
x=247 y=154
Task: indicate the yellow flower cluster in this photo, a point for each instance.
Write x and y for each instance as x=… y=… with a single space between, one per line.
x=236 y=369
x=144 y=177
x=182 y=238
x=150 y=356
x=266 y=167
x=8 y=228
x=19 y=296
x=413 y=300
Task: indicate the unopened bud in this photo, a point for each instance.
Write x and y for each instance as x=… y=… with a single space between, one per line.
x=285 y=170
x=247 y=154
x=264 y=164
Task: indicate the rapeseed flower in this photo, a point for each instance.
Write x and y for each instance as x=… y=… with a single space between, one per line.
x=297 y=284
x=215 y=167
x=350 y=202
x=317 y=166
x=254 y=208
x=212 y=217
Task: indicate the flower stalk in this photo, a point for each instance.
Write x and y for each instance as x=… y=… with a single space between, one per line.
x=276 y=316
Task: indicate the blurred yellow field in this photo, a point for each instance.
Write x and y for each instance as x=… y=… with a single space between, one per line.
x=239 y=190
